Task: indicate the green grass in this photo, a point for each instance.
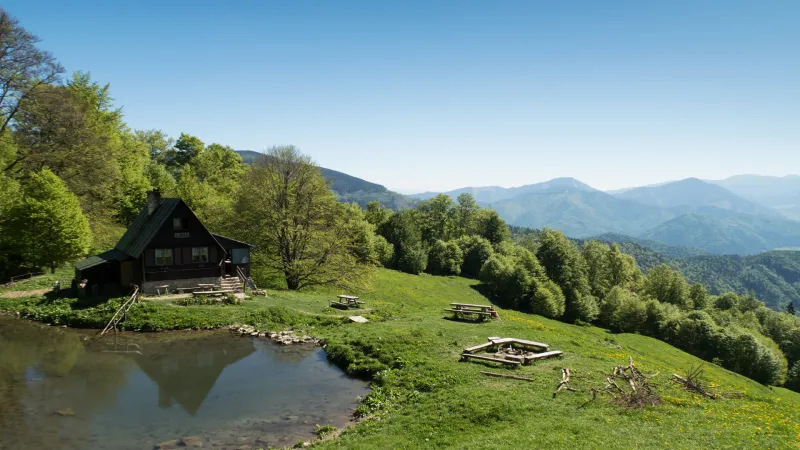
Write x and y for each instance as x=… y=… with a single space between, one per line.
x=424 y=397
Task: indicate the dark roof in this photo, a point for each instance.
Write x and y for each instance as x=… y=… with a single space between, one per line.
x=102 y=258
x=145 y=227
x=225 y=240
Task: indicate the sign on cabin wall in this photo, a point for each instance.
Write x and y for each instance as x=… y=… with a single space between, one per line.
x=182 y=235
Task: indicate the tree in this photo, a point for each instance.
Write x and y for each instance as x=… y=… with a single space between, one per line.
x=490 y=226
x=383 y=250
x=548 y=300
x=790 y=309
x=623 y=270
x=445 y=258
x=158 y=144
x=564 y=264
x=186 y=149
x=49 y=225
x=295 y=222
x=476 y=251
x=436 y=218
x=402 y=232
x=597 y=259
x=698 y=295
x=464 y=213
x=667 y=286
x=23 y=68
x=377 y=214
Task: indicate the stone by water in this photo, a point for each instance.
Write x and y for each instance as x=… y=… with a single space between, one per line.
x=68 y=389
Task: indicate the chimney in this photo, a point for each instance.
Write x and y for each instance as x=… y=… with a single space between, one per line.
x=153 y=199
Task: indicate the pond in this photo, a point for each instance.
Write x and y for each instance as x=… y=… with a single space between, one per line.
x=68 y=389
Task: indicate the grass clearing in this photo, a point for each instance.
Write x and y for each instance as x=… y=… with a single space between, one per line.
x=423 y=396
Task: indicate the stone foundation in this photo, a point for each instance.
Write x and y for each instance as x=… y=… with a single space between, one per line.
x=149 y=287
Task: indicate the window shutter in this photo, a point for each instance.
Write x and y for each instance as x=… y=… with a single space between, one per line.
x=150 y=257
x=212 y=254
x=187 y=255
x=177 y=256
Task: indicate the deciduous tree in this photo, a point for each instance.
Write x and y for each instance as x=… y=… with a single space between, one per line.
x=50 y=228
x=291 y=216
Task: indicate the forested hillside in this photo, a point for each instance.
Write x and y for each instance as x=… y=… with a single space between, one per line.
x=773 y=277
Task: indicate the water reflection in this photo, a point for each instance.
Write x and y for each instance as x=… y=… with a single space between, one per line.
x=186 y=375
x=133 y=391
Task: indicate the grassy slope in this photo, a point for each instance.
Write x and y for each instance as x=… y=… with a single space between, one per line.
x=429 y=398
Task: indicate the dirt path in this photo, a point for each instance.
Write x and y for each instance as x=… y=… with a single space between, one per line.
x=20 y=294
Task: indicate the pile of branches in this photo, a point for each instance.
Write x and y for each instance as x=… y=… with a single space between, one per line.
x=636 y=390
x=692 y=383
x=626 y=385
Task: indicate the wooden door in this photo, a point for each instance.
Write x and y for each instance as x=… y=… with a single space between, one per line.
x=126 y=273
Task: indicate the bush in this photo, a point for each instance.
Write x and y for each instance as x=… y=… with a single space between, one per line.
x=476 y=250
x=742 y=353
x=547 y=300
x=383 y=251
x=445 y=258
x=623 y=311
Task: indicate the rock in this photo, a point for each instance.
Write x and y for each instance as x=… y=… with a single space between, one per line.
x=254 y=334
x=66 y=412
x=262 y=335
x=358 y=319
x=192 y=441
x=167 y=445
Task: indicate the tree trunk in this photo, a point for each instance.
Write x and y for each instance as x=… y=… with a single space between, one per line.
x=52 y=268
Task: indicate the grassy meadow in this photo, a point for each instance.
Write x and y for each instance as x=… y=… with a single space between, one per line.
x=423 y=396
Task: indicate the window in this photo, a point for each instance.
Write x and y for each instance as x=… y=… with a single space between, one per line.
x=180 y=223
x=200 y=254
x=240 y=255
x=163 y=256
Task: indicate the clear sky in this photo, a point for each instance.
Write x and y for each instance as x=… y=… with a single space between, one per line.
x=435 y=95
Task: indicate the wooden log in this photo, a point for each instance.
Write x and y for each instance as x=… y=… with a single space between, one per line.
x=544 y=355
x=502 y=375
x=521 y=342
x=478 y=347
x=489 y=358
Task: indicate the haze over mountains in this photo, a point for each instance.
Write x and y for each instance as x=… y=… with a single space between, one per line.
x=691 y=212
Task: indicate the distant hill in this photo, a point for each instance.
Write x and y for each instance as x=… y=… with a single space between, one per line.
x=693 y=193
x=492 y=194
x=779 y=193
x=727 y=232
x=350 y=188
x=667 y=250
x=773 y=276
x=580 y=213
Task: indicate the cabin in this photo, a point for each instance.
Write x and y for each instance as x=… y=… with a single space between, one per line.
x=165 y=245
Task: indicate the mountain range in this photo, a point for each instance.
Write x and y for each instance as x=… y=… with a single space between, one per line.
x=707 y=215
x=743 y=214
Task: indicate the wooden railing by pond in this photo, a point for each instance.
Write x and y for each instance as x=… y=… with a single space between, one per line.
x=120 y=314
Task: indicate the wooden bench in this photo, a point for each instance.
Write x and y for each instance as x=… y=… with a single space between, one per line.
x=182 y=290
x=213 y=293
x=465 y=356
x=482 y=311
x=165 y=288
x=346 y=301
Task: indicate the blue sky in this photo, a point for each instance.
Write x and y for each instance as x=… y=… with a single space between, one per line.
x=435 y=95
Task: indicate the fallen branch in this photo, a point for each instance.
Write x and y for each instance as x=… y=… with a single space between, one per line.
x=564 y=383
x=502 y=375
x=692 y=383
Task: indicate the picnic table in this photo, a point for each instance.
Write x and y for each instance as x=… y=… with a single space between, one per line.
x=484 y=311
x=165 y=288
x=346 y=301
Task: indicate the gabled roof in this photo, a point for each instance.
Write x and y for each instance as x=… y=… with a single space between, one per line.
x=225 y=240
x=102 y=258
x=145 y=227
